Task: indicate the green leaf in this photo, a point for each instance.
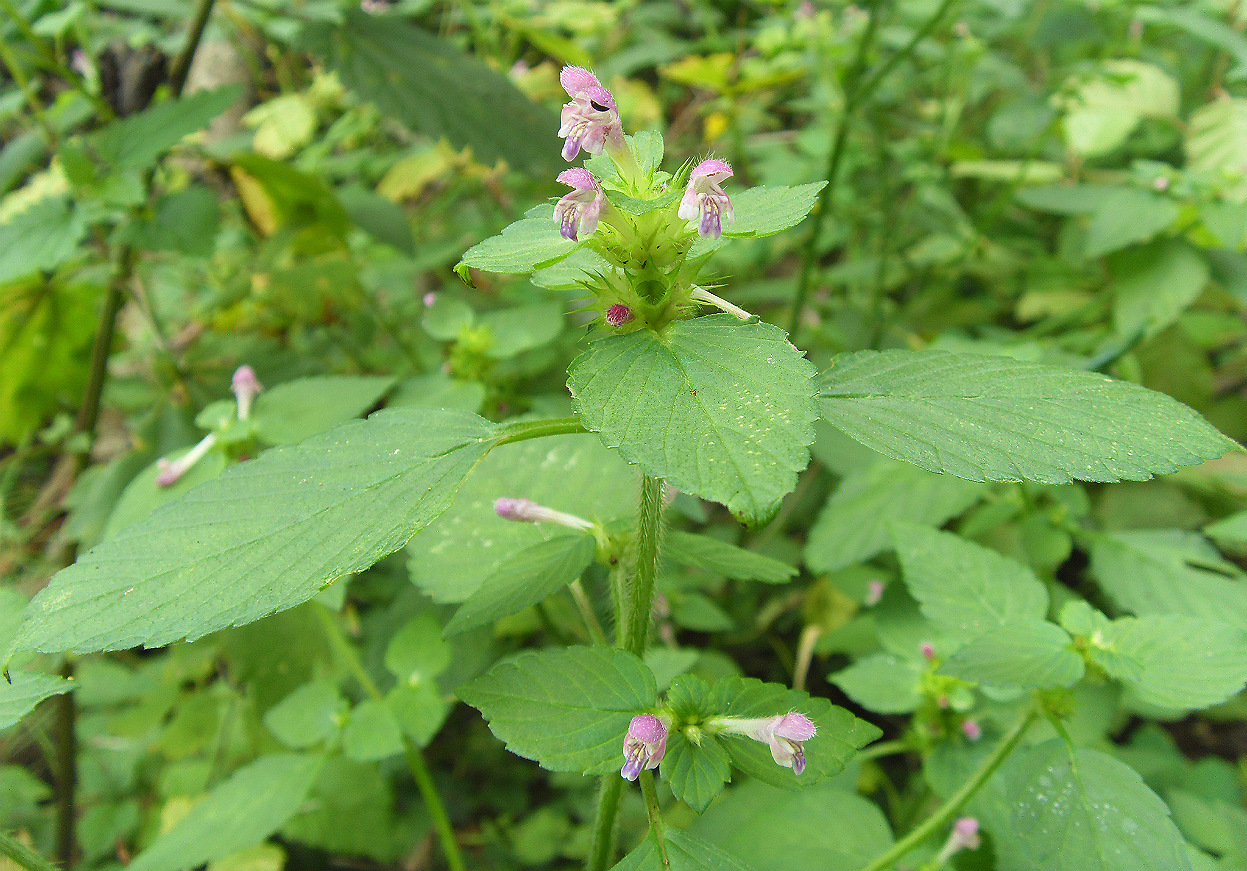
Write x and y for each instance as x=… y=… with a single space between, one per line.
x=420 y=710
x=882 y=683
x=1080 y=810
x=1216 y=144
x=447 y=318
x=522 y=247
x=840 y=734
x=998 y=419
x=350 y=810
x=307 y=716
x=684 y=853
x=428 y=85
x=239 y=813
x=1125 y=216
x=825 y=827
x=417 y=653
x=185 y=222
x=1026 y=654
x=537 y=571
x=1230 y=531
x=380 y=218
x=696 y=773
x=515 y=330
x=21 y=690
x=725 y=559
x=573 y=473
x=721 y=409
x=372 y=732
x=137 y=142
x=763 y=211
x=963 y=587
x=1183 y=662
x=265 y=536
x=567 y=709
x=1152 y=285
x=40 y=239
x=1169 y=572
x=295 y=410
x=438 y=390
x=1105 y=108
x=854 y=524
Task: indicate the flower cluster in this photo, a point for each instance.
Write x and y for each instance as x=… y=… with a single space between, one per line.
x=784 y=734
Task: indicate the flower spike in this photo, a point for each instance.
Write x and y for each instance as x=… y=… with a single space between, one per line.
x=644 y=745
x=578 y=210
x=704 y=199
x=591 y=118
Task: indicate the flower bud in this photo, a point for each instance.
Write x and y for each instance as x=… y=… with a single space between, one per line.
x=618 y=315
x=245 y=386
x=527 y=511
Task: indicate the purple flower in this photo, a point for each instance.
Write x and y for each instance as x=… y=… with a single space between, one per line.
x=618 y=315
x=577 y=211
x=527 y=511
x=245 y=386
x=783 y=733
x=591 y=117
x=705 y=200
x=644 y=745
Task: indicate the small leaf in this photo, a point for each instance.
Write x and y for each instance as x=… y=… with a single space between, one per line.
x=239 y=813
x=882 y=683
x=1182 y=662
x=40 y=239
x=295 y=410
x=696 y=773
x=537 y=571
x=763 y=211
x=998 y=419
x=567 y=709
x=307 y=716
x=372 y=732
x=684 y=853
x=1125 y=216
x=721 y=409
x=138 y=142
x=21 y=690
x=725 y=559
x=527 y=245
x=1216 y=142
x=1152 y=285
x=417 y=654
x=1026 y=654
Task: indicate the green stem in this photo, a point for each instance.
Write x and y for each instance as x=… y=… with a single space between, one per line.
x=28 y=91
x=536 y=429
x=654 y=812
x=947 y=811
x=649 y=530
x=883 y=748
x=604 y=825
x=182 y=63
x=66 y=770
x=23 y=855
x=586 y=612
x=415 y=757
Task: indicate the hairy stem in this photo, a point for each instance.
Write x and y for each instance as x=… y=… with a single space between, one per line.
x=947 y=811
x=415 y=757
x=23 y=855
x=654 y=813
x=603 y=847
x=536 y=429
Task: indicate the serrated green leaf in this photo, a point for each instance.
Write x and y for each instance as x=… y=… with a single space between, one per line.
x=840 y=734
x=241 y=812
x=721 y=409
x=522 y=247
x=965 y=588
x=684 y=853
x=1026 y=654
x=573 y=473
x=41 y=238
x=998 y=419
x=854 y=524
x=1169 y=572
x=696 y=773
x=1082 y=810
x=21 y=690
x=295 y=410
x=265 y=536
x=307 y=716
x=537 y=571
x=725 y=559
x=138 y=142
x=1183 y=662
x=882 y=683
x=763 y=211
x=567 y=709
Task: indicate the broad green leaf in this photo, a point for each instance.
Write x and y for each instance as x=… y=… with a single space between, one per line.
x=438 y=390
x=1169 y=572
x=763 y=211
x=417 y=653
x=1066 y=199
x=567 y=709
x=882 y=683
x=1125 y=216
x=265 y=536
x=143 y=495
x=372 y=732
x=1215 y=825
x=137 y=142
x=1216 y=144
x=427 y=84
x=825 y=827
x=721 y=409
x=350 y=811
x=185 y=222
x=573 y=473
x=965 y=588
x=1182 y=662
x=21 y=690
x=40 y=239
x=241 y=812
x=840 y=734
x=527 y=245
x=695 y=773
x=684 y=853
x=1081 y=810
x=294 y=410
x=532 y=574
x=1026 y=654
x=1101 y=111
x=515 y=330
x=853 y=525
x=725 y=559
x=1152 y=285
x=998 y=419
x=307 y=716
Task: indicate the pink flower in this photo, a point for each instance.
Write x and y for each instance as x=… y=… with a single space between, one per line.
x=170 y=471
x=705 y=200
x=527 y=511
x=618 y=315
x=245 y=386
x=591 y=117
x=964 y=836
x=784 y=734
x=644 y=745
x=578 y=210
x=972 y=730
x=928 y=651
